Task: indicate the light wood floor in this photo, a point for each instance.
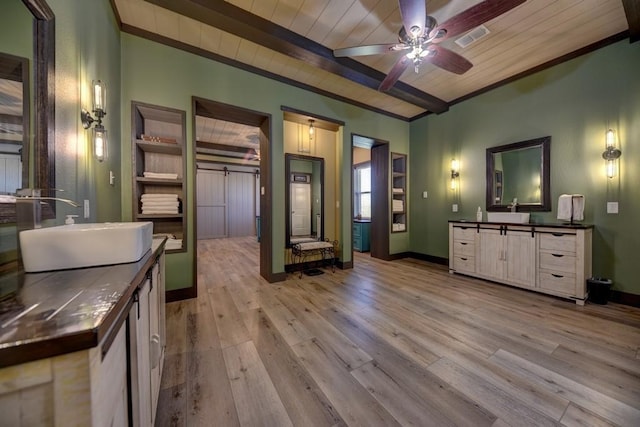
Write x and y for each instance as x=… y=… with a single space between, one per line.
x=390 y=343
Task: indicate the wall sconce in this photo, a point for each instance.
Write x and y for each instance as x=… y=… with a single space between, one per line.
x=99 y=98
x=611 y=154
x=311 y=128
x=455 y=174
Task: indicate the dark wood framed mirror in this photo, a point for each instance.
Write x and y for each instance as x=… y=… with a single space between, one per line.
x=38 y=148
x=521 y=171
x=304 y=198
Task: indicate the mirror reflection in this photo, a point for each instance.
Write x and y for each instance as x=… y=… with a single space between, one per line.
x=518 y=174
x=14 y=122
x=304 y=198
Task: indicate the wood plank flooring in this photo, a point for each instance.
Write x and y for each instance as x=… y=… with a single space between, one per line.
x=390 y=343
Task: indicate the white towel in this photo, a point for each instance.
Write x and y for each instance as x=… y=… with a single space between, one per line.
x=160 y=175
x=159 y=204
x=149 y=196
x=173 y=244
x=7 y=199
x=158 y=211
x=398 y=190
x=571 y=207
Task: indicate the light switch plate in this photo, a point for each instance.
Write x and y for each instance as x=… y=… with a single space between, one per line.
x=454 y=208
x=86 y=209
x=612 y=207
x=424 y=194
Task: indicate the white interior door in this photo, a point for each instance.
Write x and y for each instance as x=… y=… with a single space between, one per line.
x=300 y=209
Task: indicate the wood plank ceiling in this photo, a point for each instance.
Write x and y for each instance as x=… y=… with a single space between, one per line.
x=292 y=41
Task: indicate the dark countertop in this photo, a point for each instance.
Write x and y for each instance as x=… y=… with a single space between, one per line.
x=64 y=311
x=577 y=226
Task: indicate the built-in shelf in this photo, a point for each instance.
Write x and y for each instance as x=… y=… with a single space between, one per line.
x=159 y=136
x=398 y=192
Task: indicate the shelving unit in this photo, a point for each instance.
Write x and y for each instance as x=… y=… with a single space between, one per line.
x=398 y=192
x=159 y=135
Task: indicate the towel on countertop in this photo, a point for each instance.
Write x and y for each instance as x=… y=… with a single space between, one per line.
x=7 y=199
x=571 y=207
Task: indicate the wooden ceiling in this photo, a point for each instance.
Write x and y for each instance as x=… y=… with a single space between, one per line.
x=293 y=40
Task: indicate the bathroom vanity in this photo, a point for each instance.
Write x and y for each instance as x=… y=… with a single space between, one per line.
x=549 y=258
x=84 y=346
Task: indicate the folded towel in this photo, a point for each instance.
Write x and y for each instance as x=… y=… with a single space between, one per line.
x=149 y=196
x=398 y=190
x=571 y=207
x=7 y=199
x=159 y=204
x=173 y=244
x=159 y=211
x=160 y=175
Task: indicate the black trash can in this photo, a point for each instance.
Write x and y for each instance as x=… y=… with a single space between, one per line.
x=599 y=289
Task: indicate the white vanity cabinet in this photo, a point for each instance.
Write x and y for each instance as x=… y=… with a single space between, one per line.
x=554 y=259
x=107 y=373
x=147 y=343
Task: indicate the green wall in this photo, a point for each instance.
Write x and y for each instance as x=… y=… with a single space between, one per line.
x=575 y=103
x=161 y=75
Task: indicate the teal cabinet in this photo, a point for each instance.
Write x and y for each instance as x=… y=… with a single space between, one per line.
x=361 y=233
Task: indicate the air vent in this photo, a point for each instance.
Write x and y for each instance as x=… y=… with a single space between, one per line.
x=472 y=36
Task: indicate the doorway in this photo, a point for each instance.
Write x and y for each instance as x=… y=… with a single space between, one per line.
x=379 y=195
x=252 y=129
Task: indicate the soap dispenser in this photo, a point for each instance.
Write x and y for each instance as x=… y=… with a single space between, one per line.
x=70 y=219
x=479 y=215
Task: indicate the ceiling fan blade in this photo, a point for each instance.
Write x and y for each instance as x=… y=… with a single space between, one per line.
x=474 y=16
x=448 y=60
x=414 y=15
x=373 y=49
x=395 y=73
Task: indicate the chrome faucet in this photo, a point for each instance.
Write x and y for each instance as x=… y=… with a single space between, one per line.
x=28 y=209
x=514 y=205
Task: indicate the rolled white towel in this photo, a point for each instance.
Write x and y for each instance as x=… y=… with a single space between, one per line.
x=149 y=196
x=159 y=204
x=160 y=175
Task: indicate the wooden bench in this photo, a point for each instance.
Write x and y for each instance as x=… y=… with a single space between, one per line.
x=327 y=249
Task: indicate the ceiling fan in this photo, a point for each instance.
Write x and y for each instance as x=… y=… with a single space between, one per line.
x=420 y=35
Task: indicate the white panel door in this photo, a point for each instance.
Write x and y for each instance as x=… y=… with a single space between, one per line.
x=212 y=198
x=300 y=209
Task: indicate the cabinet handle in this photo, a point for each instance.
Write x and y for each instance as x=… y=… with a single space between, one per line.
x=557 y=275
x=557 y=255
x=463 y=243
x=557 y=234
x=155 y=351
x=464 y=259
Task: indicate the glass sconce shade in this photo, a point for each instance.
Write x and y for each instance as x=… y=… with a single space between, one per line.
x=455 y=174
x=611 y=154
x=99 y=93
x=100 y=143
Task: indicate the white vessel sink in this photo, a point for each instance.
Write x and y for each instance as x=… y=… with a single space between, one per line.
x=84 y=245
x=509 y=217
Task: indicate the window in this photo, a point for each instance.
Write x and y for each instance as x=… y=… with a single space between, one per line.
x=362 y=190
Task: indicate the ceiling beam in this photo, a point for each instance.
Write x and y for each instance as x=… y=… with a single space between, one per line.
x=237 y=21
x=632 y=10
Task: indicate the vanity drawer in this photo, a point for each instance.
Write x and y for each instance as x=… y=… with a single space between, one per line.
x=464 y=233
x=558 y=262
x=558 y=242
x=464 y=264
x=557 y=282
x=463 y=247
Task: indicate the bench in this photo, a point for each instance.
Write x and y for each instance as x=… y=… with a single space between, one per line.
x=327 y=249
